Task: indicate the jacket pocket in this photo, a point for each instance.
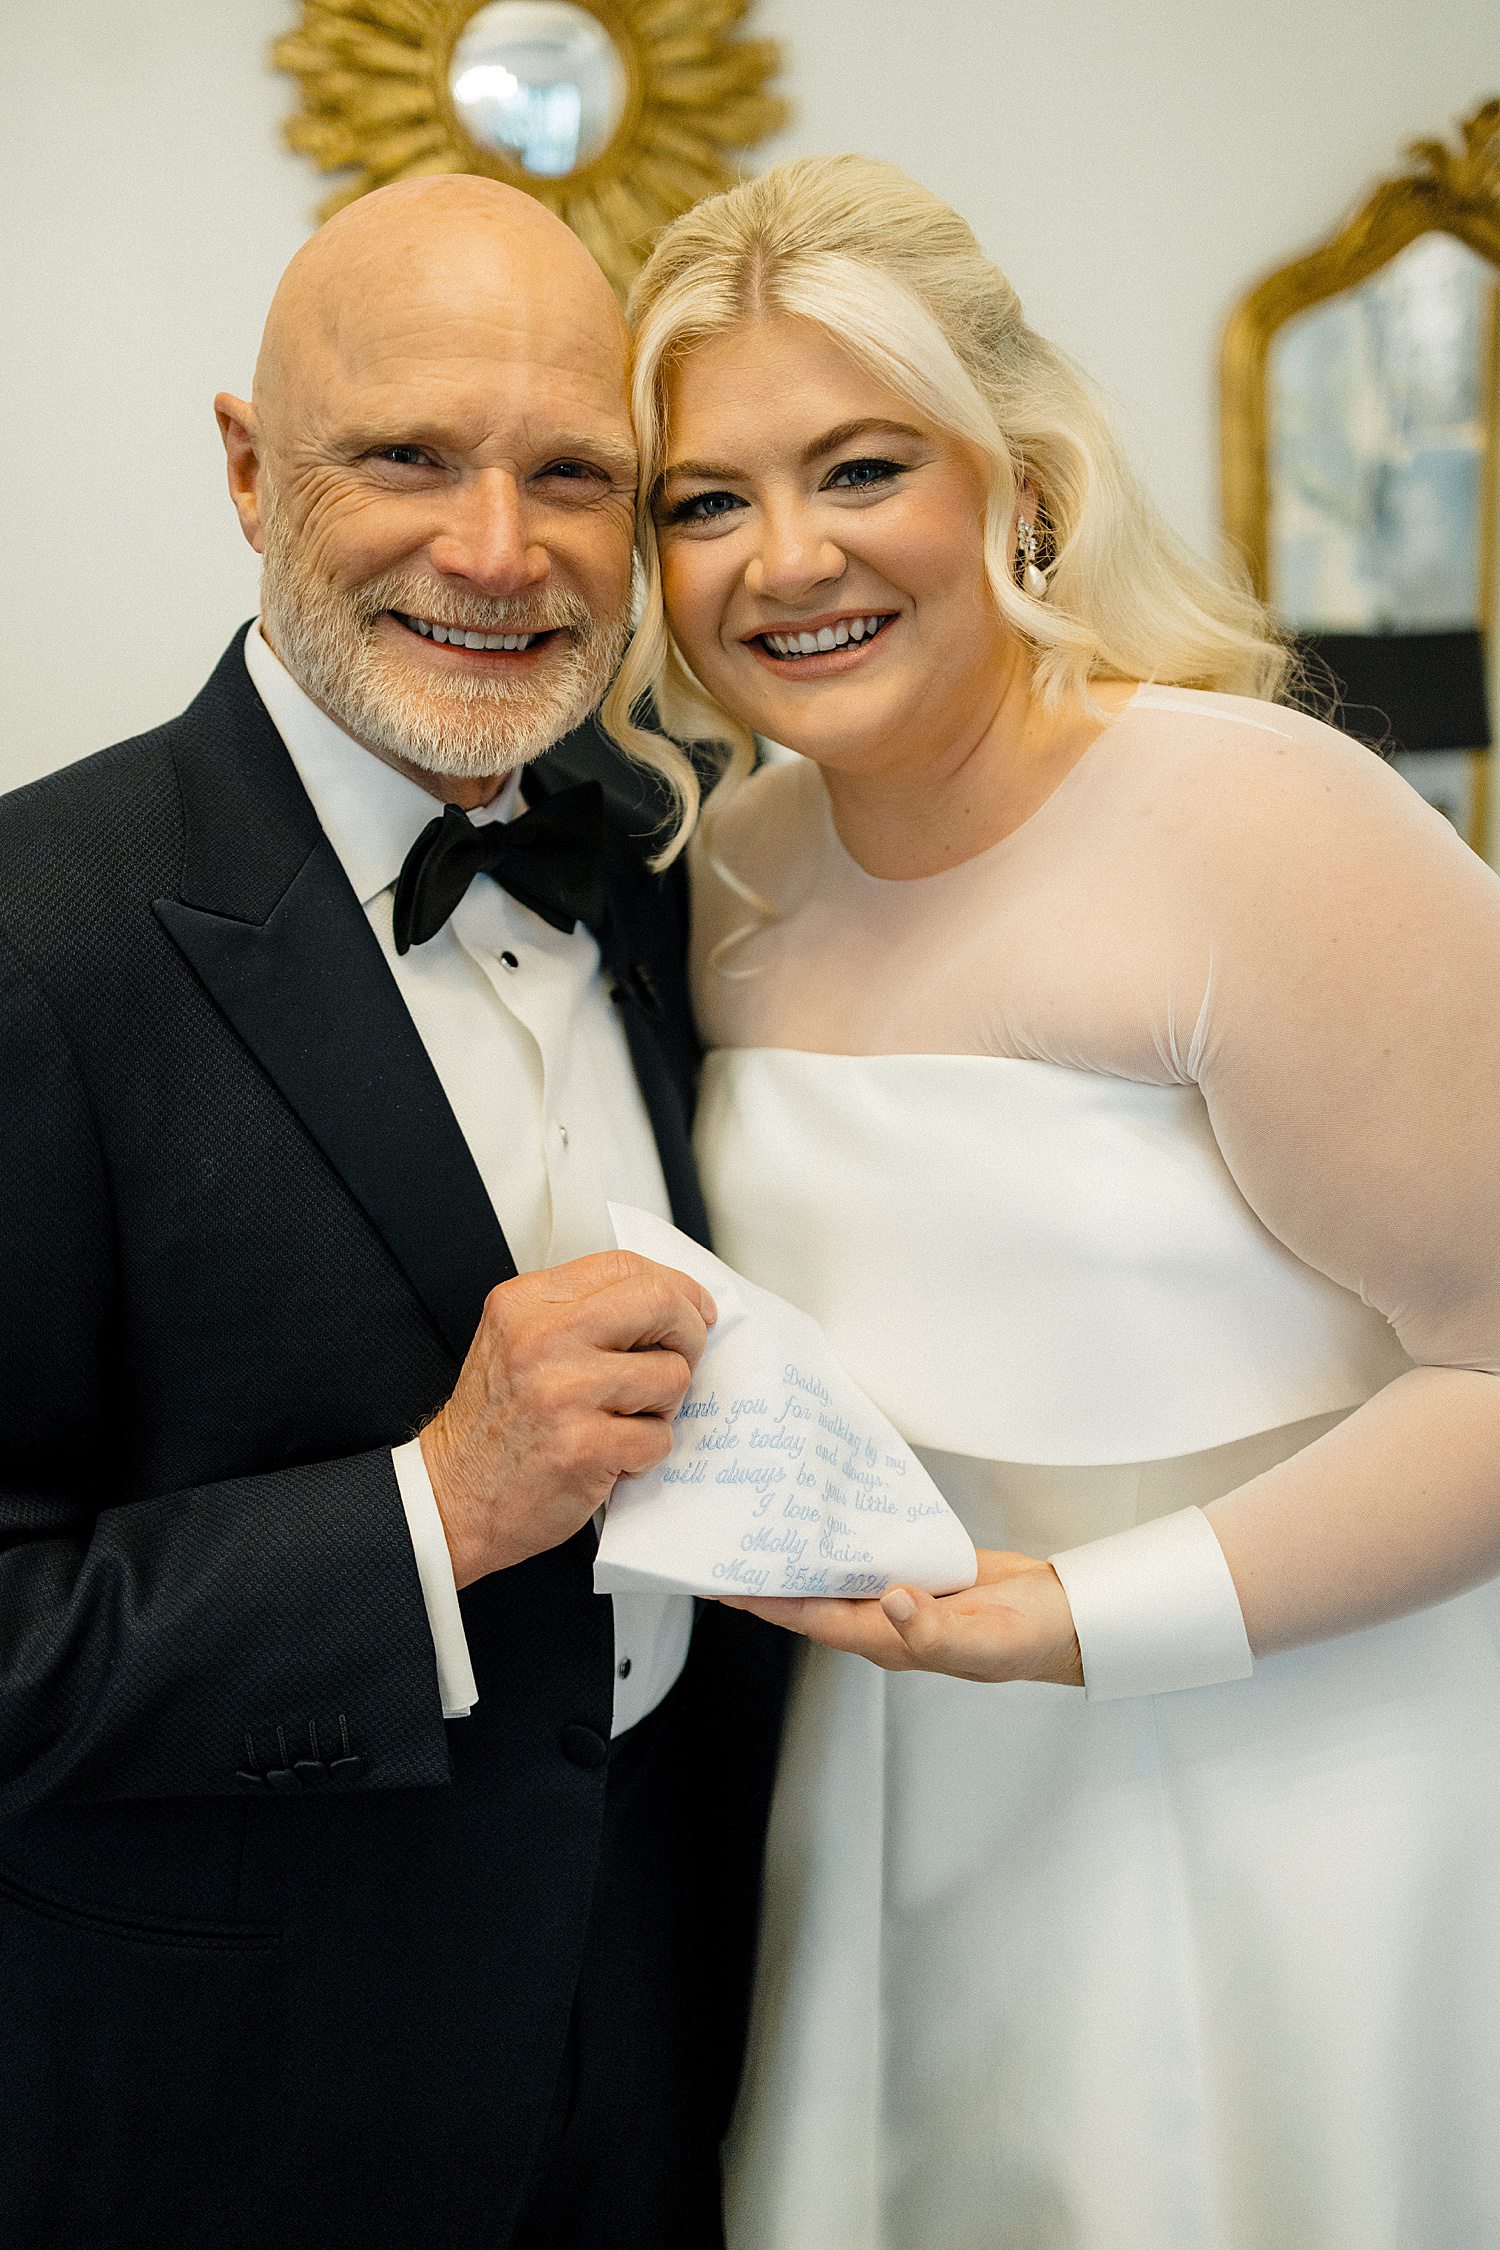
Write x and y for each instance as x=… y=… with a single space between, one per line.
x=104 y=1922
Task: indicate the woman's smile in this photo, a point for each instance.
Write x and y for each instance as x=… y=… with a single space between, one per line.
x=820 y=648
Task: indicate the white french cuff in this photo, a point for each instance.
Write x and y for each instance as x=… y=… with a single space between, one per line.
x=450 y=1643
x=1155 y=1609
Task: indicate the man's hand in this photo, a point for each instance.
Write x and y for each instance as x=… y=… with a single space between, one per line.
x=572 y=1380
x=1014 y=1623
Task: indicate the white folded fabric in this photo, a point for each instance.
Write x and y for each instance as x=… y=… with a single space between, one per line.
x=784 y=1478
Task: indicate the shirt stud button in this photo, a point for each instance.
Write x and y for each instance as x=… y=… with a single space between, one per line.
x=624 y=1667
x=562 y=1134
x=508 y=960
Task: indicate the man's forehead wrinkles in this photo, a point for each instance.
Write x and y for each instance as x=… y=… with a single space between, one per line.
x=395 y=373
x=402 y=375
x=523 y=329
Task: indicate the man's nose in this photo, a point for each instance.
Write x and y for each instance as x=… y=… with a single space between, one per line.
x=486 y=537
x=793 y=557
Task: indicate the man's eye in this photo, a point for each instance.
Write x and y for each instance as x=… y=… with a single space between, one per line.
x=858 y=476
x=574 y=470
x=703 y=507
x=400 y=456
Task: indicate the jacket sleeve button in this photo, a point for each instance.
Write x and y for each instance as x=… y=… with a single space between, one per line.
x=312 y=1773
x=347 y=1769
x=251 y=1779
x=583 y=1746
x=281 y=1777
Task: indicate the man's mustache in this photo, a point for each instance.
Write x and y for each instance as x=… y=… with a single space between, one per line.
x=473 y=613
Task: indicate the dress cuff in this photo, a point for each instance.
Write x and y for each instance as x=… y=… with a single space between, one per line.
x=1155 y=1608
x=435 y=1570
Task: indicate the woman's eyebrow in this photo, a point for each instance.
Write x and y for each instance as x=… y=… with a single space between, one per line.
x=829 y=442
x=862 y=426
x=710 y=469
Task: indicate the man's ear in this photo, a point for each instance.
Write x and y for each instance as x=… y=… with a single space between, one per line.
x=238 y=429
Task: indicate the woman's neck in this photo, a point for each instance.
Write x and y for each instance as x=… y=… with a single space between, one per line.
x=927 y=814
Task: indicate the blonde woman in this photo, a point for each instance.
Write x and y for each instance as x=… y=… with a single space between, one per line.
x=1110 y=1058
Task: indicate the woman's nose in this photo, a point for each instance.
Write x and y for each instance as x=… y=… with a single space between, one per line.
x=486 y=538
x=794 y=555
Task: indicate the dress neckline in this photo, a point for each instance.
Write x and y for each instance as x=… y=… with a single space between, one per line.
x=912 y=883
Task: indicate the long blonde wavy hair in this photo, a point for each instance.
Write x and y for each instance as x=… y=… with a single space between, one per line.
x=898 y=279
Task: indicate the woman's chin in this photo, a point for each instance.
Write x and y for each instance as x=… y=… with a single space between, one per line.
x=834 y=722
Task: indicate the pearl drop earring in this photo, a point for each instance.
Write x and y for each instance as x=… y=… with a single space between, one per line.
x=1030 y=574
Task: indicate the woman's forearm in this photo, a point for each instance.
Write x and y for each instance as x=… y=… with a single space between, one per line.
x=1396 y=1508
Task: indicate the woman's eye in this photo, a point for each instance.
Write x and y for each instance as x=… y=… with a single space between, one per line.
x=703 y=507
x=858 y=476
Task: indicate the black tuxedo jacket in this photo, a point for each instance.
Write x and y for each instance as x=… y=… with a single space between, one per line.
x=283 y=1959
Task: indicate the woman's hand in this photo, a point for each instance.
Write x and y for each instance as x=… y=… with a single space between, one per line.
x=1014 y=1623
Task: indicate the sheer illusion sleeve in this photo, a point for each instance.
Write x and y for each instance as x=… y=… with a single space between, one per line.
x=1348 y=1047
x=1234 y=896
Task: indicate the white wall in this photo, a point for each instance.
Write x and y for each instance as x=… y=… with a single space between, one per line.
x=1133 y=167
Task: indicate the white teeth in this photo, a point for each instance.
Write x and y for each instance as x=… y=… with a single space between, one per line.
x=456 y=636
x=796 y=645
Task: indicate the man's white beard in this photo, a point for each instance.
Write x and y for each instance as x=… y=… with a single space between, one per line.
x=467 y=726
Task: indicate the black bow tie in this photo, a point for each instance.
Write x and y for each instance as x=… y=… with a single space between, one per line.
x=551 y=859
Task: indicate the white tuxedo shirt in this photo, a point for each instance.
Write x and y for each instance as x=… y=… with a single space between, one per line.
x=528 y=1048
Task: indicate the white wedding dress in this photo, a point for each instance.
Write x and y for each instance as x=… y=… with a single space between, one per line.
x=1146 y=1162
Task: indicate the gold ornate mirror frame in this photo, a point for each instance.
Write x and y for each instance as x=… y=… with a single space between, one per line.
x=1448 y=191
x=376 y=100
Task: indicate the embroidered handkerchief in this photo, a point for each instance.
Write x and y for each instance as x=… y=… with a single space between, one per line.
x=784 y=1478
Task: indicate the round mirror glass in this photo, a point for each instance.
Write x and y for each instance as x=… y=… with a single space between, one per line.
x=540 y=82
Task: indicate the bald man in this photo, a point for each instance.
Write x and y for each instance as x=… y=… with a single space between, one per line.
x=365 y=1879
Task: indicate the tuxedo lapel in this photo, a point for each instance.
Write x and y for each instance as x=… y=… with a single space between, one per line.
x=639 y=998
x=641 y=939
x=267 y=919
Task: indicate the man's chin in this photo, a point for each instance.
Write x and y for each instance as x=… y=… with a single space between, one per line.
x=456 y=762
x=471 y=751
x=468 y=735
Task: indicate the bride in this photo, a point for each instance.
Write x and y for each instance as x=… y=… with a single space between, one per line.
x=1110 y=1058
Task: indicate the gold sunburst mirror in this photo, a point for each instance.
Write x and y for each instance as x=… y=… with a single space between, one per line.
x=619 y=114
